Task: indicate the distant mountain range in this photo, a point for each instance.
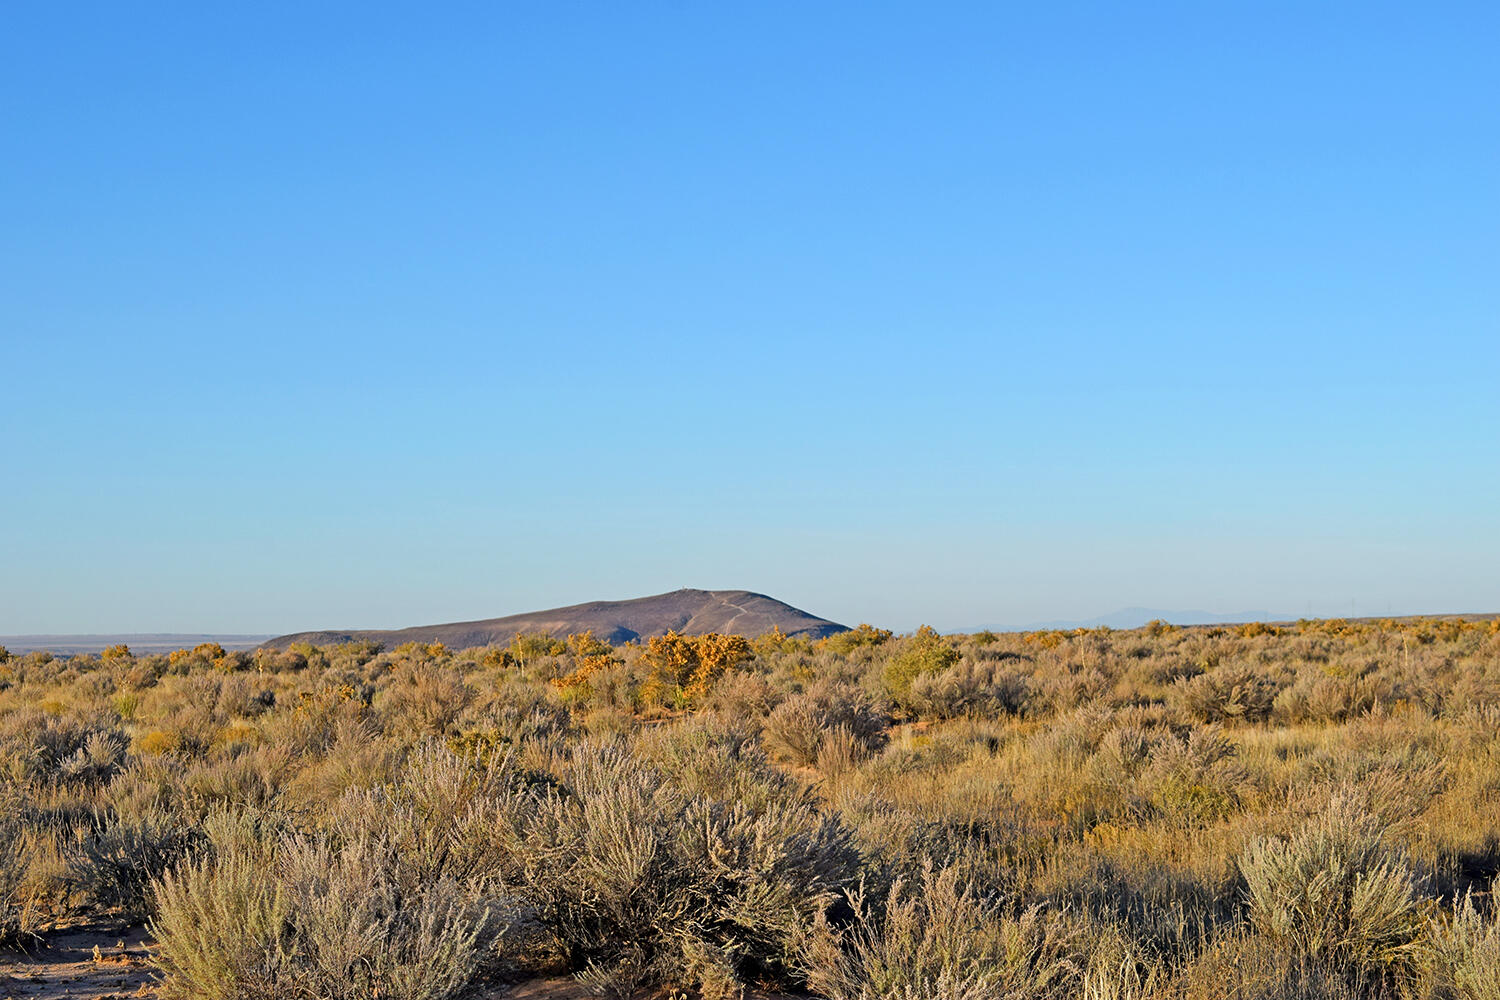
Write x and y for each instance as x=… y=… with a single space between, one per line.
x=1136 y=617
x=688 y=612
x=139 y=642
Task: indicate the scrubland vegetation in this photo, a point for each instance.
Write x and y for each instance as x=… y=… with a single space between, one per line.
x=1251 y=812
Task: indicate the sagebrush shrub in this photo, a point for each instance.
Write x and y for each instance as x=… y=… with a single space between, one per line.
x=362 y=930
x=795 y=731
x=1227 y=693
x=1471 y=952
x=436 y=817
x=262 y=914
x=1249 y=966
x=1197 y=779
x=17 y=915
x=223 y=920
x=510 y=717
x=424 y=700
x=627 y=871
x=743 y=698
x=938 y=939
x=1322 y=698
x=391 y=799
x=116 y=861
x=980 y=687
x=1335 y=893
x=713 y=760
x=79 y=746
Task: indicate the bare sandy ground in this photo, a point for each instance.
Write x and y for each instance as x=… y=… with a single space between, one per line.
x=84 y=963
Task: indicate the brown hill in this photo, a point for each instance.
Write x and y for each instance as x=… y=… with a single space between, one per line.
x=689 y=612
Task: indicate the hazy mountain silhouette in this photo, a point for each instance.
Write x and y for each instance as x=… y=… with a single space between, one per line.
x=689 y=612
x=139 y=642
x=1136 y=617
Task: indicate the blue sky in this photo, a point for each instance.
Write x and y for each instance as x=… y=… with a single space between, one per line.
x=376 y=314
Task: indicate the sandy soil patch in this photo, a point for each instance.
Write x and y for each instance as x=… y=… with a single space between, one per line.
x=106 y=962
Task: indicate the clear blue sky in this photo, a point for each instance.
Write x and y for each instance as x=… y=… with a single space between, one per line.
x=342 y=314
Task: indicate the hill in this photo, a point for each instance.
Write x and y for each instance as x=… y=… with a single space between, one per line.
x=689 y=612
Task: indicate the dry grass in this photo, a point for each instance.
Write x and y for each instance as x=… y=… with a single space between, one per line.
x=1210 y=813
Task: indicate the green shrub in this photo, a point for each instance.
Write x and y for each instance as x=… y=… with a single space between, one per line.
x=925 y=652
x=861 y=635
x=528 y=647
